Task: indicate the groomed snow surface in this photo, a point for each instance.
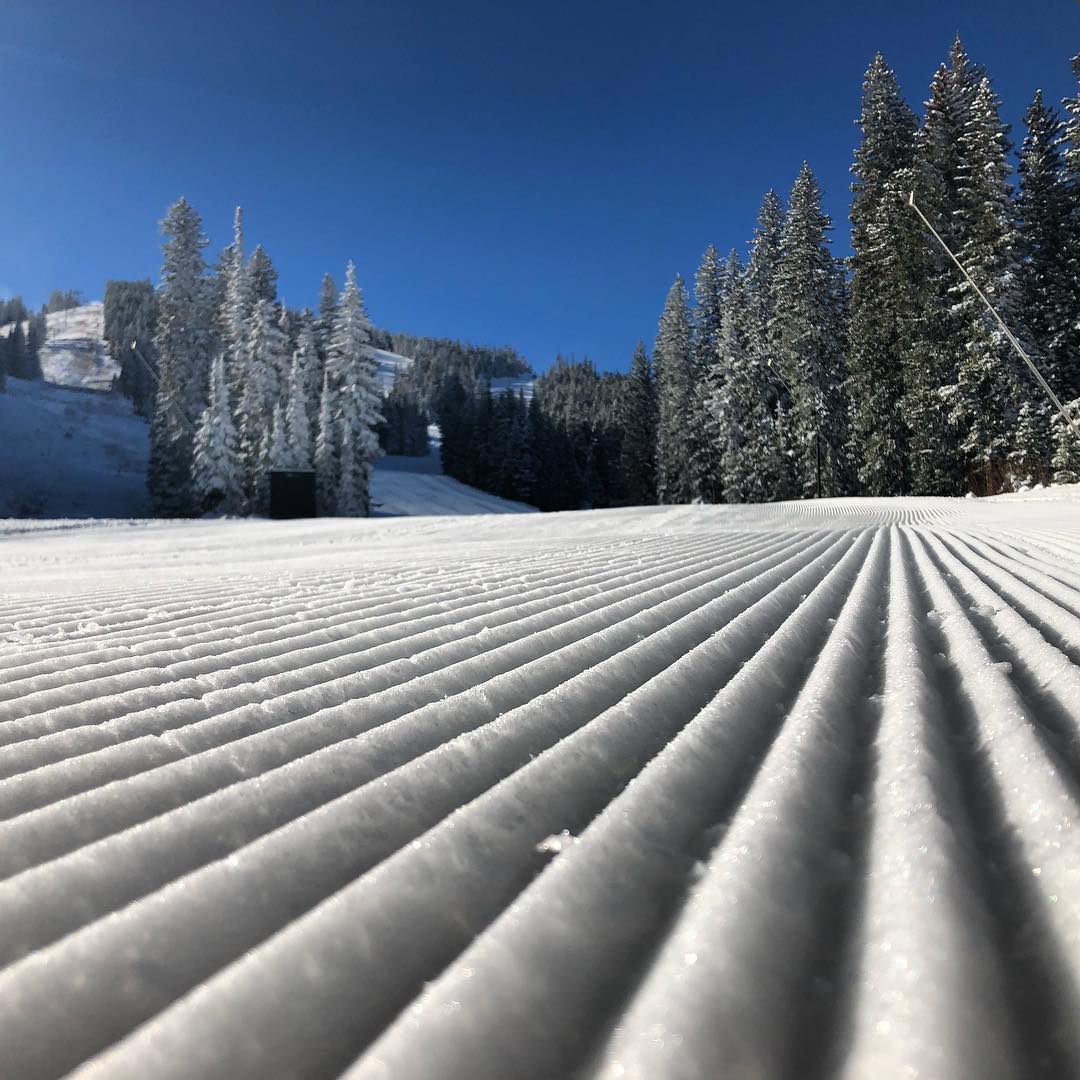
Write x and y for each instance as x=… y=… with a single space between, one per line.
x=703 y=792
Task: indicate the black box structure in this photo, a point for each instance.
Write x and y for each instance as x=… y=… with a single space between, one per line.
x=292 y=493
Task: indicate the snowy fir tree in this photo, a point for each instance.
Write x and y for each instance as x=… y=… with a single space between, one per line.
x=263 y=386
x=936 y=334
x=183 y=343
x=884 y=239
x=351 y=499
x=279 y=453
x=985 y=400
x=809 y=337
x=674 y=477
x=639 y=430
x=298 y=422
x=705 y=453
x=1066 y=459
x=326 y=451
x=236 y=302
x=307 y=367
x=262 y=276
x=324 y=324
x=760 y=466
x=216 y=464
x=352 y=373
x=1047 y=287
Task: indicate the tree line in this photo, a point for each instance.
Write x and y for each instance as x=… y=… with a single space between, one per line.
x=796 y=374
x=20 y=348
x=235 y=383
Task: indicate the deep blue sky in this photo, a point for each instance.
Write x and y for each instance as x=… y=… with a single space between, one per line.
x=501 y=171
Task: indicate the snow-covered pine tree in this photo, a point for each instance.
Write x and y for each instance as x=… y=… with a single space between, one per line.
x=935 y=334
x=985 y=402
x=307 y=367
x=262 y=276
x=216 y=464
x=326 y=474
x=710 y=283
x=883 y=237
x=263 y=386
x=674 y=476
x=1066 y=460
x=298 y=423
x=711 y=388
x=760 y=468
x=809 y=336
x=738 y=408
x=352 y=372
x=238 y=300
x=639 y=430
x=280 y=456
x=183 y=342
x=324 y=325
x=352 y=495
x=1070 y=373
x=1046 y=289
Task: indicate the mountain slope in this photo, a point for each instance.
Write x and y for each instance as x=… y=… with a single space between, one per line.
x=78 y=453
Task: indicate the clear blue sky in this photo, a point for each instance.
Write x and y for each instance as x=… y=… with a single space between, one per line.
x=501 y=171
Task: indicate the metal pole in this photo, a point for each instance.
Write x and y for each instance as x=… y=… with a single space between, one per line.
x=1001 y=322
x=161 y=386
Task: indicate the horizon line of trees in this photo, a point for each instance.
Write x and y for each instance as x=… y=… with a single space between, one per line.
x=795 y=374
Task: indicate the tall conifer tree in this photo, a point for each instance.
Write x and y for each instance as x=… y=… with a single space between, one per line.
x=674 y=400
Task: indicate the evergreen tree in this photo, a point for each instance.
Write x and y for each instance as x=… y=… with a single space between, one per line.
x=352 y=492
x=884 y=240
x=352 y=372
x=809 y=337
x=183 y=343
x=298 y=422
x=236 y=304
x=639 y=418
x=710 y=284
x=307 y=367
x=324 y=325
x=326 y=452
x=263 y=387
x=263 y=278
x=279 y=454
x=36 y=335
x=739 y=414
x=216 y=461
x=674 y=401
x=1066 y=460
x=985 y=401
x=936 y=334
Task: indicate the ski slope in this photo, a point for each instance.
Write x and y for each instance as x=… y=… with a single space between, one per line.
x=82 y=454
x=669 y=792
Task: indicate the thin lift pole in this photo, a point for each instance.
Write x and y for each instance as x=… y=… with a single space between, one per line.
x=161 y=386
x=1001 y=322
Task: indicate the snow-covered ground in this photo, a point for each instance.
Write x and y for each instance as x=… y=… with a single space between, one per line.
x=672 y=792
x=70 y=453
x=74 y=352
x=73 y=454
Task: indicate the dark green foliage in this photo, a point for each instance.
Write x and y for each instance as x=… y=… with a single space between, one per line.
x=131 y=317
x=404 y=426
x=638 y=421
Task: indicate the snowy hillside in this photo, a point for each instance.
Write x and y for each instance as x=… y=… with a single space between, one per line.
x=74 y=454
x=74 y=352
x=70 y=453
x=672 y=792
